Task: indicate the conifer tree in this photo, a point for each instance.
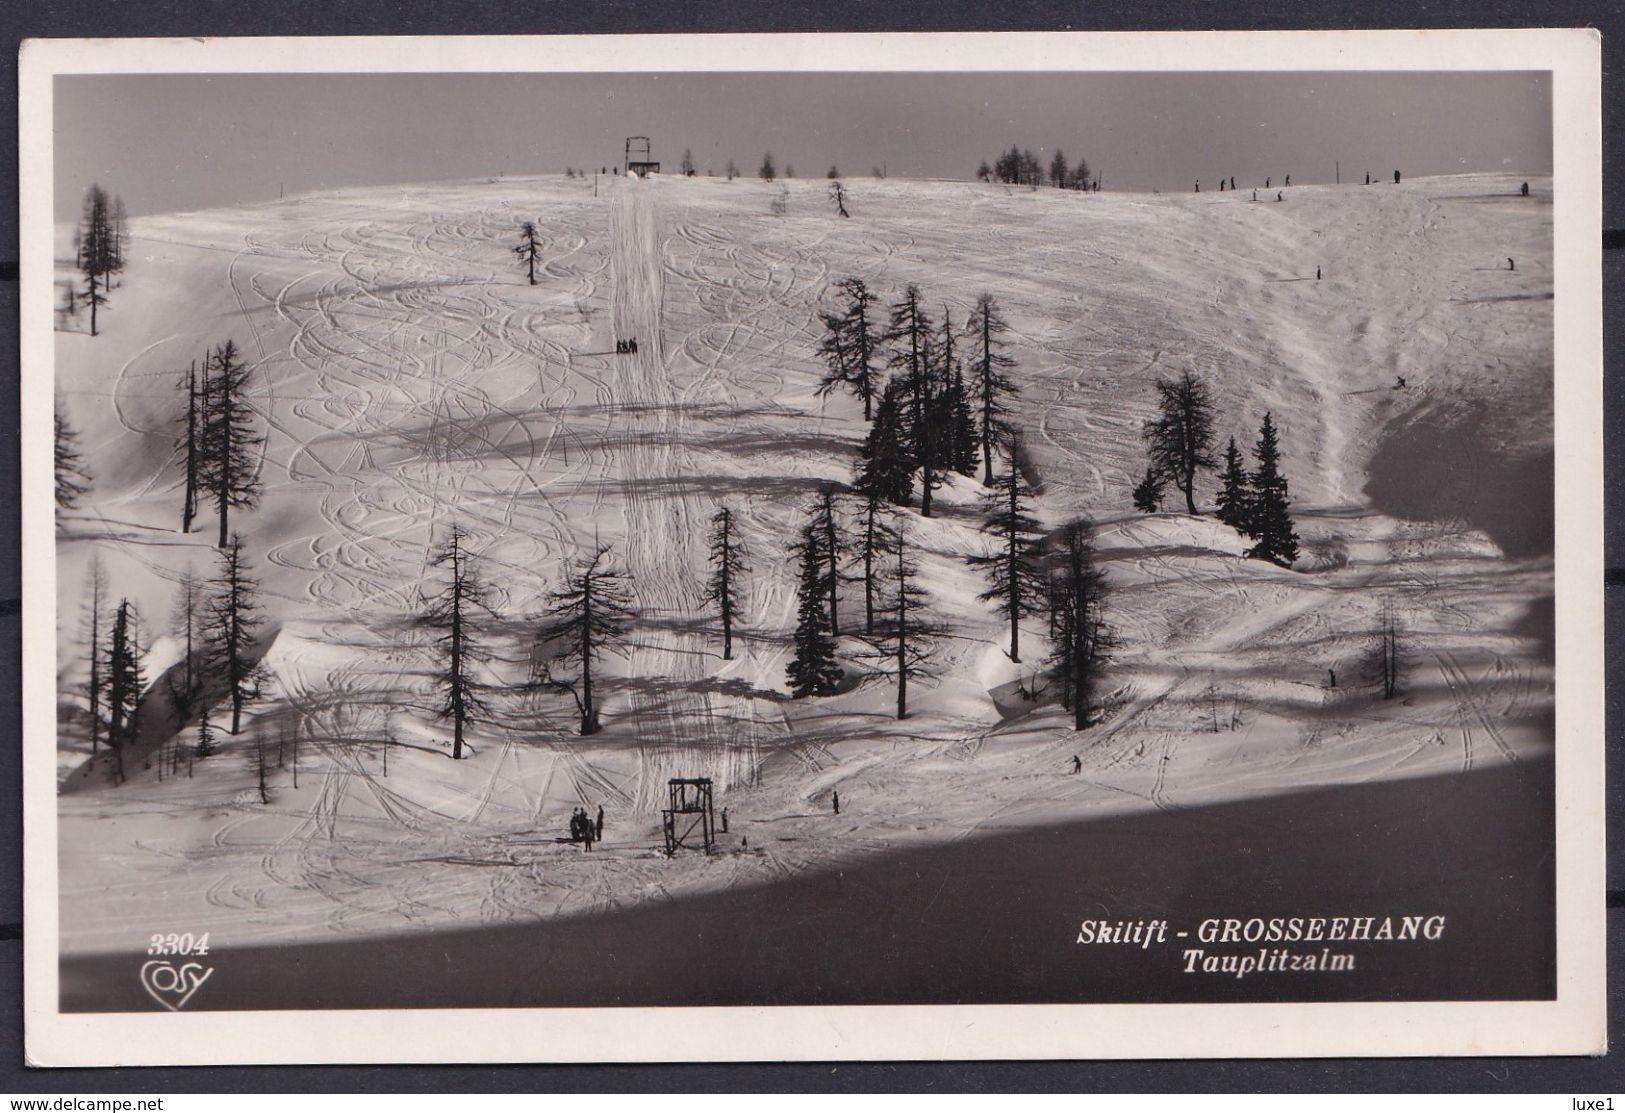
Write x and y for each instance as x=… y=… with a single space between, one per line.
x=72 y=477
x=938 y=442
x=686 y=165
x=186 y=616
x=909 y=333
x=453 y=615
x=1387 y=653
x=196 y=403
x=1271 y=517
x=812 y=670
x=529 y=249
x=1180 y=438
x=232 y=621
x=1234 y=503
x=904 y=633
x=849 y=345
x=204 y=747
x=100 y=255
x=963 y=441
x=823 y=519
x=727 y=566
x=766 y=171
x=991 y=388
x=590 y=615
x=870 y=528
x=1080 y=639
x=230 y=466
x=126 y=686
x=96 y=685
x=1015 y=579
x=886 y=461
x=1148 y=492
x=121 y=238
x=257 y=763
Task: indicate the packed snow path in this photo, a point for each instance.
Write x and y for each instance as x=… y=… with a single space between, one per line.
x=684 y=724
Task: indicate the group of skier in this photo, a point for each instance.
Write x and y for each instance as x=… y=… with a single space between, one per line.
x=1230 y=183
x=585 y=829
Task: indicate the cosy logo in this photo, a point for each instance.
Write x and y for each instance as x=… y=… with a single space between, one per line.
x=172 y=986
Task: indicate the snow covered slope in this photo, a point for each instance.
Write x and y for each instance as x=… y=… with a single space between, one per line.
x=409 y=378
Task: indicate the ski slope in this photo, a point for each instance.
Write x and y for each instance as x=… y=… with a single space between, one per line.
x=409 y=378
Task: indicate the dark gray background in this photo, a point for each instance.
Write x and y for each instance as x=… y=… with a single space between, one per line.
x=74 y=18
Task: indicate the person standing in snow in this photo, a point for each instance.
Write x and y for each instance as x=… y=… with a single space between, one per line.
x=724 y=821
x=1317 y=274
x=1511 y=266
x=1077 y=764
x=1289 y=179
x=598 y=828
x=836 y=797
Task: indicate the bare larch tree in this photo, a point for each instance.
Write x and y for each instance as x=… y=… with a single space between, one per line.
x=232 y=624
x=904 y=633
x=96 y=686
x=72 y=477
x=1079 y=636
x=589 y=615
x=529 y=249
x=101 y=255
x=1180 y=438
x=1015 y=580
x=126 y=686
x=453 y=616
x=849 y=345
x=909 y=334
x=186 y=623
x=727 y=566
x=990 y=386
x=823 y=520
x=230 y=465
x=193 y=420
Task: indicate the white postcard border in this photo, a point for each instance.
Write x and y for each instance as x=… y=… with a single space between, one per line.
x=1572 y=1024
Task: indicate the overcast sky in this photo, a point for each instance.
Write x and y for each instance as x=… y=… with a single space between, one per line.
x=177 y=143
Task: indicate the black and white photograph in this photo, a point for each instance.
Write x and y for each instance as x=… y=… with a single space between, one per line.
x=650 y=540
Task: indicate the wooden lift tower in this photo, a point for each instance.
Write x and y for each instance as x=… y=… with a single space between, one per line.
x=688 y=819
x=641 y=165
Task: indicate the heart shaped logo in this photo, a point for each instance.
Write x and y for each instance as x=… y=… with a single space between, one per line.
x=173 y=986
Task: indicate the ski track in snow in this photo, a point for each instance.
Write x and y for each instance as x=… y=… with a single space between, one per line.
x=409 y=378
